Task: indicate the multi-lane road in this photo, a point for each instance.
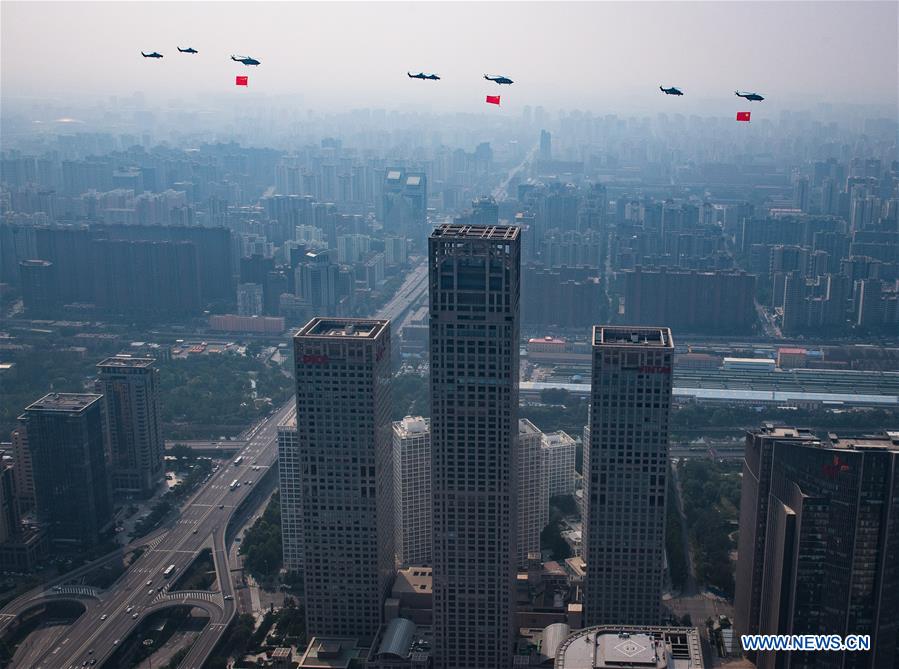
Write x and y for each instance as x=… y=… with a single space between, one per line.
x=112 y=615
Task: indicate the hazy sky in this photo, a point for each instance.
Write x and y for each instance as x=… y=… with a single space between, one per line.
x=586 y=55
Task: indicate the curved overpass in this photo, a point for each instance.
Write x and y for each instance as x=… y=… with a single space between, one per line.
x=110 y=614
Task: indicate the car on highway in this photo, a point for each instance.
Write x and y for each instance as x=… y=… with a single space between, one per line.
x=150 y=582
x=221 y=506
x=104 y=617
x=129 y=609
x=115 y=643
x=228 y=597
x=194 y=532
x=151 y=591
x=135 y=616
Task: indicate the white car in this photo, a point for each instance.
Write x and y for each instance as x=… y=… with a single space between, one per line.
x=150 y=582
x=151 y=591
x=104 y=617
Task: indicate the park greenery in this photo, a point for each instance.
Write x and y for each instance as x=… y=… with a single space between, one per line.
x=711 y=498
x=206 y=396
x=261 y=545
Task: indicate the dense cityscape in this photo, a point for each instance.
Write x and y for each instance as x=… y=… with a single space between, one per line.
x=386 y=388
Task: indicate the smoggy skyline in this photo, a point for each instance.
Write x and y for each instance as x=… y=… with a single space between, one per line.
x=604 y=56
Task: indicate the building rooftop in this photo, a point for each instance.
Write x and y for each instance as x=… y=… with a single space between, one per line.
x=289 y=421
x=330 y=653
x=340 y=328
x=887 y=441
x=416 y=580
x=466 y=231
x=64 y=402
x=527 y=427
x=615 y=335
x=612 y=646
x=412 y=425
x=123 y=361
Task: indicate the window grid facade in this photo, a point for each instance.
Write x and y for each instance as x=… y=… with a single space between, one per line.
x=130 y=389
x=291 y=487
x=626 y=461
x=533 y=490
x=559 y=452
x=412 y=490
x=474 y=333
x=343 y=432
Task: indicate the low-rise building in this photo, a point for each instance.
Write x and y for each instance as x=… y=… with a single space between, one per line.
x=617 y=646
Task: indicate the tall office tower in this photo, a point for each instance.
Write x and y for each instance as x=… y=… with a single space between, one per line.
x=290 y=481
x=343 y=429
x=130 y=388
x=71 y=486
x=412 y=490
x=828 y=550
x=625 y=467
x=533 y=491
x=23 y=471
x=559 y=451
x=316 y=280
x=474 y=330
x=546 y=145
x=40 y=287
x=755 y=488
x=484 y=211
x=404 y=204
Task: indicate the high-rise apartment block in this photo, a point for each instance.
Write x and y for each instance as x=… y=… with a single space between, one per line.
x=559 y=450
x=474 y=338
x=625 y=467
x=290 y=481
x=343 y=430
x=65 y=438
x=130 y=388
x=533 y=491
x=825 y=561
x=412 y=490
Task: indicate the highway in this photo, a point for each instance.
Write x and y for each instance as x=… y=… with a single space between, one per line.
x=112 y=615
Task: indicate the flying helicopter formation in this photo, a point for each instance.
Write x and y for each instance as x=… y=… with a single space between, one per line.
x=246 y=60
x=430 y=76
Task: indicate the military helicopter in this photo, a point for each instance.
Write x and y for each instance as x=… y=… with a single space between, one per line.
x=674 y=90
x=752 y=97
x=189 y=49
x=155 y=54
x=422 y=75
x=246 y=60
x=499 y=79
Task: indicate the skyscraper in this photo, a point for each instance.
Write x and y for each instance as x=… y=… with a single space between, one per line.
x=474 y=330
x=343 y=431
x=65 y=437
x=755 y=488
x=625 y=466
x=559 y=451
x=130 y=388
x=533 y=491
x=829 y=546
x=290 y=482
x=412 y=490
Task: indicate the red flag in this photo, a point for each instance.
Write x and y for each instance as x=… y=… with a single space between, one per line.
x=493 y=99
x=242 y=81
x=743 y=116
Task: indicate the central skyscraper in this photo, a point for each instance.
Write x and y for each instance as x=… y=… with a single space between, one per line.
x=474 y=295
x=343 y=438
x=625 y=467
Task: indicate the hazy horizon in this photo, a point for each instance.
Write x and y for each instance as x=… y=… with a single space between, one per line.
x=608 y=57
